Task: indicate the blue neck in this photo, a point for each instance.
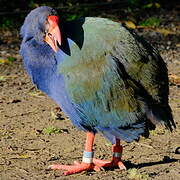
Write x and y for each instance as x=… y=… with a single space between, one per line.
x=41 y=64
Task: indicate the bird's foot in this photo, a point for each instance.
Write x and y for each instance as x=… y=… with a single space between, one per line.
x=116 y=162
x=97 y=165
x=76 y=168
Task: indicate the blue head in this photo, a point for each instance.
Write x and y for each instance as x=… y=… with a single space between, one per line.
x=41 y=24
x=41 y=36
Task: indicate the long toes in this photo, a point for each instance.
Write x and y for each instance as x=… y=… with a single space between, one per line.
x=100 y=163
x=76 y=169
x=60 y=167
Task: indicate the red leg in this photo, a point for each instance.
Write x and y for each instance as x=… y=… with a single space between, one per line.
x=116 y=159
x=89 y=163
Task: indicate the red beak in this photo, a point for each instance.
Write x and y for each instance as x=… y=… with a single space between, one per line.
x=53 y=36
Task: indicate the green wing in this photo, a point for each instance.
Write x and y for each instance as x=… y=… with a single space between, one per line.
x=116 y=79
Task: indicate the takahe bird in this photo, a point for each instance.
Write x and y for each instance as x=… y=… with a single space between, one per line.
x=103 y=76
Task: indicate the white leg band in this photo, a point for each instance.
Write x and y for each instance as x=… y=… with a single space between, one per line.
x=87 y=157
x=87 y=160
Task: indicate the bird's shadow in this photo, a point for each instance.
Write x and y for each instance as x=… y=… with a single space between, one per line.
x=130 y=165
x=165 y=160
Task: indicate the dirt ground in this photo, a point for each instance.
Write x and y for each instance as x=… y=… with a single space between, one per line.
x=33 y=135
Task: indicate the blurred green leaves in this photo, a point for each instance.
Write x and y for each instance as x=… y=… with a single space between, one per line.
x=150 y=5
x=128 y=10
x=6 y=23
x=151 y=22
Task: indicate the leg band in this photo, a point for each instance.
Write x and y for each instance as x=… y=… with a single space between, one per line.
x=88 y=157
x=117 y=154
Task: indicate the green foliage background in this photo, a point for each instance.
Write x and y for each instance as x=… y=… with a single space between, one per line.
x=12 y=12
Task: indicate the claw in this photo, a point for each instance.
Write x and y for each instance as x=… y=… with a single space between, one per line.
x=97 y=168
x=121 y=166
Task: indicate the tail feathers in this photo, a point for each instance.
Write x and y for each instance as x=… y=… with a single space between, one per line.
x=156 y=114
x=127 y=133
x=161 y=114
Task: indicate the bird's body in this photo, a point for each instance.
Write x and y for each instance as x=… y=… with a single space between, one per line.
x=104 y=77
